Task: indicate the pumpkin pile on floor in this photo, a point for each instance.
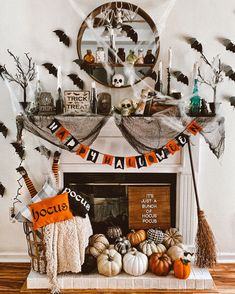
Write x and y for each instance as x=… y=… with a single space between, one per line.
x=138 y=252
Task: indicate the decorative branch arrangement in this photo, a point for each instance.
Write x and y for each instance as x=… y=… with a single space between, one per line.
x=23 y=76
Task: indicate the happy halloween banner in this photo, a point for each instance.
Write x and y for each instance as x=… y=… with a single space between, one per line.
x=139 y=161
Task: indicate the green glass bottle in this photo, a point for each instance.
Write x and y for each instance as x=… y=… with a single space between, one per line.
x=195 y=100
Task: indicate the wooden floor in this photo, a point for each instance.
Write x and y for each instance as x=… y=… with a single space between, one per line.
x=13 y=276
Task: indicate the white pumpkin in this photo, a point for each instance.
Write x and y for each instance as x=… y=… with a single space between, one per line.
x=109 y=263
x=97 y=244
x=149 y=247
x=175 y=252
x=135 y=263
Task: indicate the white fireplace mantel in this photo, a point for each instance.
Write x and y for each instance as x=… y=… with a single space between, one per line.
x=111 y=141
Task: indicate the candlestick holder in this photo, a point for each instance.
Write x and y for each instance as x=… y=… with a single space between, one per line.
x=168 y=81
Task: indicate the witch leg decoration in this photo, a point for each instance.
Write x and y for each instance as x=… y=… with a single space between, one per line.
x=205 y=241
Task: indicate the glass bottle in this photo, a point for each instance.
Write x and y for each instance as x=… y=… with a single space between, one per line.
x=131 y=58
x=100 y=55
x=89 y=57
x=195 y=100
x=149 y=57
x=121 y=54
x=59 y=103
x=140 y=59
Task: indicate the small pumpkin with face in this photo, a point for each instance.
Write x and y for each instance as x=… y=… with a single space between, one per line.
x=160 y=264
x=136 y=237
x=182 y=268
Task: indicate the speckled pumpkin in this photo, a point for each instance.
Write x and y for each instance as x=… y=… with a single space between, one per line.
x=160 y=264
x=97 y=244
x=172 y=238
x=136 y=237
x=148 y=247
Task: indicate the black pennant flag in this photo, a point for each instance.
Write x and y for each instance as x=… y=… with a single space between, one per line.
x=140 y=160
x=161 y=154
x=119 y=163
x=93 y=155
x=182 y=139
x=54 y=126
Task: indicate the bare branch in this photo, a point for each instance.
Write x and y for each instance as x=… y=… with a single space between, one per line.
x=202 y=80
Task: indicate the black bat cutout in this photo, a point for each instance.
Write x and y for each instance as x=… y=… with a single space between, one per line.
x=63 y=37
x=229 y=72
x=232 y=101
x=3 y=129
x=51 y=68
x=2 y=189
x=181 y=77
x=44 y=151
x=84 y=65
x=19 y=149
x=230 y=47
x=194 y=44
x=131 y=33
x=2 y=70
x=76 y=80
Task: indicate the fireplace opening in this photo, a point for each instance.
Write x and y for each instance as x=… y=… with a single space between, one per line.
x=127 y=200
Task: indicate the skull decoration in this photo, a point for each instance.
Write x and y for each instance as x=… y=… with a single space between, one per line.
x=127 y=107
x=118 y=80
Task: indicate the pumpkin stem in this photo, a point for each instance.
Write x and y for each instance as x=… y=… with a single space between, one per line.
x=184 y=261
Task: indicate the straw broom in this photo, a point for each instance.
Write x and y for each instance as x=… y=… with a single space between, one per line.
x=205 y=255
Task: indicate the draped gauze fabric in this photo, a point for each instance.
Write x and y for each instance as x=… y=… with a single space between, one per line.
x=66 y=242
x=143 y=133
x=84 y=128
x=149 y=133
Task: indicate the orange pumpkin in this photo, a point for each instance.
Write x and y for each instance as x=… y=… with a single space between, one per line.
x=182 y=268
x=160 y=264
x=136 y=237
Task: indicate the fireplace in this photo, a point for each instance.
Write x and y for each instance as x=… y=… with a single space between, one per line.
x=116 y=197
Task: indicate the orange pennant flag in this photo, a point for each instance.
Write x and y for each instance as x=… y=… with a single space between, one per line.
x=151 y=158
x=172 y=146
x=82 y=150
x=194 y=128
x=130 y=162
x=62 y=134
x=107 y=159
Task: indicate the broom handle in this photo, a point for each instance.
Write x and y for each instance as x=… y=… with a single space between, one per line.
x=193 y=175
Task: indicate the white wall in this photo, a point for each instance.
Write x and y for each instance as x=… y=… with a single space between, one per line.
x=27 y=25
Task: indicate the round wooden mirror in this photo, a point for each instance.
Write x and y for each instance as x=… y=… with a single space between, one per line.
x=118 y=44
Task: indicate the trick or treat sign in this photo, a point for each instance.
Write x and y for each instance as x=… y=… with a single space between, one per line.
x=149 y=207
x=77 y=102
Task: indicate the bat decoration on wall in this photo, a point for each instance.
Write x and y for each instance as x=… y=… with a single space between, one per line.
x=76 y=80
x=51 y=68
x=131 y=33
x=194 y=44
x=44 y=151
x=232 y=101
x=19 y=149
x=229 y=45
x=2 y=70
x=63 y=37
x=2 y=189
x=3 y=129
x=84 y=65
x=181 y=77
x=229 y=72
